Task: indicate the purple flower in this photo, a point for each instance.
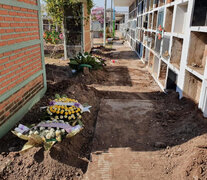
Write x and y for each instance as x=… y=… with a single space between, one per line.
x=21 y=129
x=77 y=105
x=52 y=103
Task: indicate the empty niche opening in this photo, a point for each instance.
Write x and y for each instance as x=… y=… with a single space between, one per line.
x=158 y=45
x=199 y=14
x=176 y=52
x=155 y=4
x=160 y=18
x=161 y=2
x=133 y=45
x=145 y=37
x=139 y=21
x=144 y=49
x=148 y=5
x=138 y=34
x=192 y=88
x=156 y=66
x=171 y=80
x=139 y=49
x=131 y=42
x=180 y=19
x=150 y=21
x=165 y=47
x=151 y=58
x=141 y=35
x=169 y=1
x=149 y=39
x=155 y=20
x=169 y=18
x=151 y=4
x=137 y=46
x=153 y=41
x=145 y=23
x=163 y=71
x=133 y=34
x=146 y=54
x=198 y=51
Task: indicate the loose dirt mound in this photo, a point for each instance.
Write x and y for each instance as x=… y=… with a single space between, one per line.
x=180 y=129
x=197 y=165
x=66 y=160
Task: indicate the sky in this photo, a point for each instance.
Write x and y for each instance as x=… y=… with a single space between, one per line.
x=100 y=3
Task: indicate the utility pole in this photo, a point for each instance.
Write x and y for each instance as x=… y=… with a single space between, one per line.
x=105 y=22
x=64 y=40
x=111 y=16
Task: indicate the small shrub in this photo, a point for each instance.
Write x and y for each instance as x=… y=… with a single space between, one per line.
x=53 y=37
x=86 y=60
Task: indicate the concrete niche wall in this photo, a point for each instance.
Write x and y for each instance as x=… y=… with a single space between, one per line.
x=151 y=58
x=169 y=18
x=155 y=20
x=163 y=71
x=165 y=47
x=176 y=52
x=180 y=19
x=198 y=51
x=156 y=66
x=192 y=87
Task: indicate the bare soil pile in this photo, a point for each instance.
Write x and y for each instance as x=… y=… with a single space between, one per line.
x=182 y=129
x=66 y=160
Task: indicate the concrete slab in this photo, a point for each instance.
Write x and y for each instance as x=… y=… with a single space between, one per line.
x=120 y=142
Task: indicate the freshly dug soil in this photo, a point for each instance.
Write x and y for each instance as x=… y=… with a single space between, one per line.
x=180 y=129
x=68 y=159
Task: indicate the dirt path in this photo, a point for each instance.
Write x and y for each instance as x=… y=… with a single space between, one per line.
x=140 y=133
x=134 y=130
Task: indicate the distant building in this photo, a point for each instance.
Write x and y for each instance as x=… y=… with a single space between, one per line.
x=97 y=29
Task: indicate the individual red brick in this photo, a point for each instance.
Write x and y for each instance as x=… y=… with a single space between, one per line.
x=8 y=19
x=16 y=8
x=7 y=7
x=12 y=13
x=4 y=60
x=3 y=12
x=4 y=24
x=4 y=43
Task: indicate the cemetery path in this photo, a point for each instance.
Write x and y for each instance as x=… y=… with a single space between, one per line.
x=139 y=132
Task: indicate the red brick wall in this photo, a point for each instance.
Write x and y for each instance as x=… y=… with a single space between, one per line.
x=11 y=105
x=17 y=66
x=17 y=27
x=87 y=33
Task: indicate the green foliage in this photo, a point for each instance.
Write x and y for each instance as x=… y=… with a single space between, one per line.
x=89 y=6
x=86 y=60
x=52 y=37
x=56 y=8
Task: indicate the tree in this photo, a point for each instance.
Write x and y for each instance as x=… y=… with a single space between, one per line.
x=56 y=10
x=98 y=14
